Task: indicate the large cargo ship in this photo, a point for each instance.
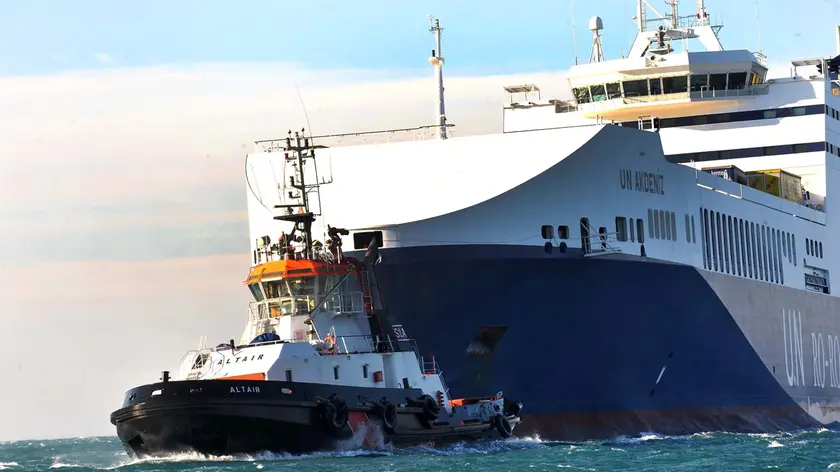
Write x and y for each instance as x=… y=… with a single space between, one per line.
x=653 y=255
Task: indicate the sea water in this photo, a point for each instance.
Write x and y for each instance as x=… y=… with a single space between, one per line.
x=810 y=450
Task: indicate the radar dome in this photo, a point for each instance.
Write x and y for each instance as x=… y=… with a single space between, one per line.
x=596 y=23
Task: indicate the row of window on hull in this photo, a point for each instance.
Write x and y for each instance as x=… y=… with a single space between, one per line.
x=662 y=225
x=813 y=248
x=735 y=246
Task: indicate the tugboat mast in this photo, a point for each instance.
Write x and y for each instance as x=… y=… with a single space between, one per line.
x=303 y=218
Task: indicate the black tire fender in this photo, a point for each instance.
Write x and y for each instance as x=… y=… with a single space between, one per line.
x=503 y=426
x=389 y=416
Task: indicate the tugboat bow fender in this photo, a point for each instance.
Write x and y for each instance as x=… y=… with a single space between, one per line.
x=334 y=413
x=430 y=407
x=388 y=412
x=503 y=426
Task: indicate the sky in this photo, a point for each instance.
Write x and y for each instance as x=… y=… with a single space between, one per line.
x=124 y=126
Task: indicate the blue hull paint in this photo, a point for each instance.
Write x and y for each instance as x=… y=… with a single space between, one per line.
x=593 y=347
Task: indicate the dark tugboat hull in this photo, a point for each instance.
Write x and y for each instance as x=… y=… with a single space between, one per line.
x=219 y=417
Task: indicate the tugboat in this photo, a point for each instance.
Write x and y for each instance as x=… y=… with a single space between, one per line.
x=318 y=362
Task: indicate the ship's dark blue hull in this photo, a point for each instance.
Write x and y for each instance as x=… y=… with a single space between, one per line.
x=594 y=347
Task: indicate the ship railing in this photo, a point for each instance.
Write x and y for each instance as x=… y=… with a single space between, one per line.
x=366 y=344
x=274 y=252
x=345 y=303
x=598 y=243
x=197 y=364
x=431 y=367
x=416 y=133
x=761 y=89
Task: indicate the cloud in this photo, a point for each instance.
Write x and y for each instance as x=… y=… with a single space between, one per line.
x=150 y=146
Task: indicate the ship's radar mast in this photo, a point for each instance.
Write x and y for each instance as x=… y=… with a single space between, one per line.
x=596 y=24
x=297 y=195
x=436 y=60
x=652 y=43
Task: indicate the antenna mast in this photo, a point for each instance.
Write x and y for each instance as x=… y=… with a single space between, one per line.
x=597 y=53
x=298 y=151
x=437 y=61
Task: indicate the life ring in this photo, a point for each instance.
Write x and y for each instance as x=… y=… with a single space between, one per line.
x=335 y=414
x=389 y=416
x=503 y=426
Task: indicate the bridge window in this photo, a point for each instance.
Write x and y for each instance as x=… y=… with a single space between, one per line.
x=598 y=93
x=256 y=292
x=717 y=81
x=582 y=94
x=635 y=88
x=737 y=80
x=655 y=86
x=613 y=90
x=632 y=231
x=675 y=84
x=699 y=82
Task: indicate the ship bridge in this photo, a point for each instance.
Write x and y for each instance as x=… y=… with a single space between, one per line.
x=665 y=86
x=655 y=79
